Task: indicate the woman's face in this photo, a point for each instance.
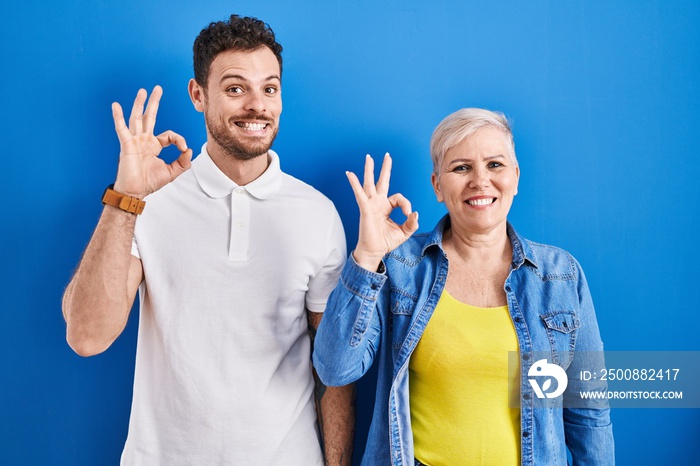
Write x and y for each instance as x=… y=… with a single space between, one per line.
x=477 y=181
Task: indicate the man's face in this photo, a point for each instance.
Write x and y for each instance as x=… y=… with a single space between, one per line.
x=242 y=103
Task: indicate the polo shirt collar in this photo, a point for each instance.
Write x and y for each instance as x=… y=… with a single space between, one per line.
x=217 y=185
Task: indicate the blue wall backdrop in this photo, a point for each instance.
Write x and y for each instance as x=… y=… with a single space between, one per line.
x=603 y=97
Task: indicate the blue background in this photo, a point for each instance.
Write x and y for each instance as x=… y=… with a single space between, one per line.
x=603 y=97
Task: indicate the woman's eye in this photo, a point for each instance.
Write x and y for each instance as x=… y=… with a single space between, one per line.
x=461 y=168
x=495 y=164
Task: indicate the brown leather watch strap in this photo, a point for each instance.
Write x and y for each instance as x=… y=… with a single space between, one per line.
x=130 y=204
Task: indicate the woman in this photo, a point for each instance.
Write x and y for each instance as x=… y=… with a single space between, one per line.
x=443 y=311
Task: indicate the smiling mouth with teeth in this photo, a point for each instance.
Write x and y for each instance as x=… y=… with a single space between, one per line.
x=482 y=202
x=251 y=126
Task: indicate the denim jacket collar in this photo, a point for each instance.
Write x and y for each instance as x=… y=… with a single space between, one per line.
x=435 y=237
x=521 y=250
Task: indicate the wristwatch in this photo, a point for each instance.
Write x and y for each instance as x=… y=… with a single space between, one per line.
x=130 y=204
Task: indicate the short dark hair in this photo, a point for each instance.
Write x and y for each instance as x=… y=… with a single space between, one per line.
x=237 y=33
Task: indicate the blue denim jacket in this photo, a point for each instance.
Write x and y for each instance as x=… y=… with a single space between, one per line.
x=372 y=315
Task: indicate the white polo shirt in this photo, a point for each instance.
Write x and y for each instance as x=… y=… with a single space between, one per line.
x=223 y=368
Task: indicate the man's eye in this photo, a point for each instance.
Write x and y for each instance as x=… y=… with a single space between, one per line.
x=235 y=90
x=270 y=90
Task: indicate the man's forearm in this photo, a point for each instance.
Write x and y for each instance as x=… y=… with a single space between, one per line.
x=338 y=424
x=336 y=406
x=98 y=299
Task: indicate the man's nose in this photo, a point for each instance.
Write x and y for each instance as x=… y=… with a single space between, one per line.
x=255 y=101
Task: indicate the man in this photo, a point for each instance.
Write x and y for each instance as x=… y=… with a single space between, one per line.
x=227 y=256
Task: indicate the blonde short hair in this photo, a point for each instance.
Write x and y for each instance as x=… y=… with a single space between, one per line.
x=461 y=124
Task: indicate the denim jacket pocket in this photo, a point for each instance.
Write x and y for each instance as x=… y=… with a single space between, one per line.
x=561 y=329
x=402 y=306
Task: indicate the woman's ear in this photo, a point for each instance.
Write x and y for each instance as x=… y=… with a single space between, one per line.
x=436 y=187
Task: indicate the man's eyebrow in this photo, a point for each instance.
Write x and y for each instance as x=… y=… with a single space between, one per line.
x=238 y=77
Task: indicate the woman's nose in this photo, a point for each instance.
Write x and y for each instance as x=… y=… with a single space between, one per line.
x=480 y=178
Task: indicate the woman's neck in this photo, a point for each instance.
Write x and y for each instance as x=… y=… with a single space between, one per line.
x=482 y=247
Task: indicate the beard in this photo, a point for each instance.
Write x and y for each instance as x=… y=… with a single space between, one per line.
x=241 y=148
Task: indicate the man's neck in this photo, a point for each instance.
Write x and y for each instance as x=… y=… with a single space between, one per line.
x=239 y=171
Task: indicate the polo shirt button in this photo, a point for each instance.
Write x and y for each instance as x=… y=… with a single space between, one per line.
x=239 y=224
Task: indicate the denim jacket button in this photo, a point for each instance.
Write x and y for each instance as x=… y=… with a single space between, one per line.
x=526 y=357
x=507 y=287
x=526 y=434
x=374 y=286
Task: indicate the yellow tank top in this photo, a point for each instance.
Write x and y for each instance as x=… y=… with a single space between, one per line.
x=459 y=389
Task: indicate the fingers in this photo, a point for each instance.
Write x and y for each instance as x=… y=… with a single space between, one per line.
x=369 y=176
x=398 y=200
x=149 y=118
x=182 y=164
x=168 y=138
x=139 y=121
x=384 y=176
x=410 y=226
x=135 y=120
x=119 y=123
x=411 y=223
x=360 y=195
